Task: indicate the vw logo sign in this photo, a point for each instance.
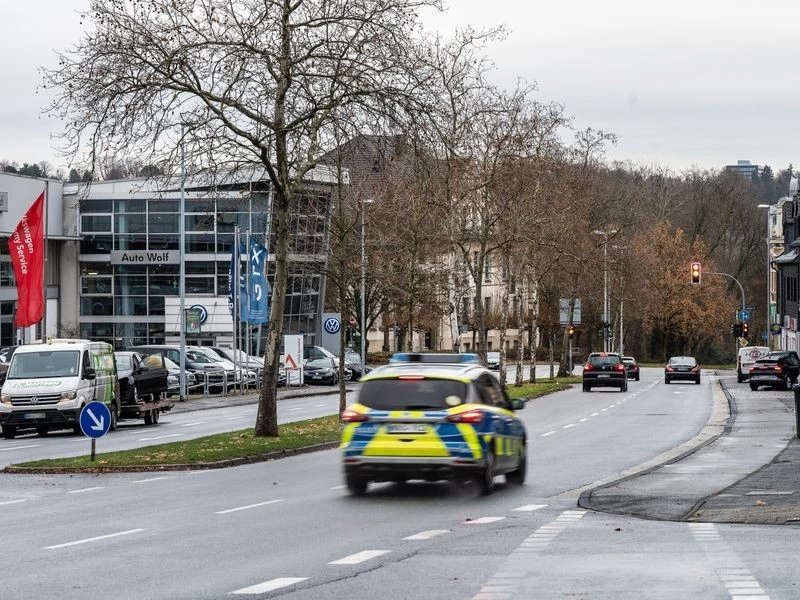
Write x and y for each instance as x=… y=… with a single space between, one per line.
x=332 y=325
x=34 y=400
x=203 y=312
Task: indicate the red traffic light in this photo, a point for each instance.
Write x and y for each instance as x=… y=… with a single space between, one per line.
x=695 y=273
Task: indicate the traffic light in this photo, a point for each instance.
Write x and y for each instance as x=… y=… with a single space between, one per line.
x=695 y=273
x=745 y=329
x=736 y=330
x=571 y=331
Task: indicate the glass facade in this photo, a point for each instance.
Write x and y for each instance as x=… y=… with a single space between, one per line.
x=128 y=304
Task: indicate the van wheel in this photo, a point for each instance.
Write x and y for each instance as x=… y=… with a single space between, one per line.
x=9 y=432
x=42 y=430
x=156 y=416
x=739 y=377
x=148 y=417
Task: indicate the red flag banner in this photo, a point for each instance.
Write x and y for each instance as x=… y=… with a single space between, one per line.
x=26 y=246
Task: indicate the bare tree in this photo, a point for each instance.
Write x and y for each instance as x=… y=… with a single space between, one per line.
x=246 y=85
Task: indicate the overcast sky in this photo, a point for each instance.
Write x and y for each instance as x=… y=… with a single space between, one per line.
x=682 y=84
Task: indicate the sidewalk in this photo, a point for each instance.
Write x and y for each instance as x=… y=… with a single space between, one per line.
x=747 y=473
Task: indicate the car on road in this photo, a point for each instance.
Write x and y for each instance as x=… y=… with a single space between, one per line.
x=745 y=359
x=682 y=368
x=777 y=369
x=432 y=421
x=493 y=361
x=631 y=367
x=604 y=369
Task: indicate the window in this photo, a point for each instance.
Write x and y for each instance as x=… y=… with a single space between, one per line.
x=163 y=223
x=95 y=223
x=130 y=224
x=96 y=306
x=129 y=205
x=487 y=268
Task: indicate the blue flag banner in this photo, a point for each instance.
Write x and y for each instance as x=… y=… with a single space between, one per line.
x=242 y=291
x=259 y=291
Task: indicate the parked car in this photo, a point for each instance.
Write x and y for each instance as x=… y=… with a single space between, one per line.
x=352 y=360
x=323 y=370
x=493 y=361
x=202 y=366
x=684 y=368
x=604 y=369
x=174 y=379
x=777 y=369
x=745 y=359
x=632 y=367
x=140 y=376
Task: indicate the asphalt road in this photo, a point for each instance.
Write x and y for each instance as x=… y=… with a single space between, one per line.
x=288 y=529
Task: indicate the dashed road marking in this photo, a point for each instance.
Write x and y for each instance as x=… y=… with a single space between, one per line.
x=483 y=520
x=529 y=507
x=548 y=433
x=268 y=586
x=22 y=447
x=359 y=557
x=159 y=437
x=249 y=506
x=426 y=535
x=82 y=490
x=568 y=426
x=149 y=479
x=13 y=501
x=93 y=539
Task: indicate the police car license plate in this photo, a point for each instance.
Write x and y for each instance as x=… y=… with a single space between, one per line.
x=406 y=428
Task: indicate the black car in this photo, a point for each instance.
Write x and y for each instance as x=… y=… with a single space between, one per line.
x=323 y=370
x=352 y=361
x=141 y=376
x=778 y=369
x=631 y=366
x=604 y=369
x=684 y=368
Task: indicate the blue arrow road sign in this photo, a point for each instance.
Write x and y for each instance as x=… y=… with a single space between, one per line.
x=95 y=419
x=744 y=315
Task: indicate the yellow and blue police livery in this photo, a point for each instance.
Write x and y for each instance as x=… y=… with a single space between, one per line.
x=434 y=421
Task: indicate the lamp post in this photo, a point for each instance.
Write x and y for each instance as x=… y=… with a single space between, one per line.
x=363 y=324
x=182 y=274
x=770 y=210
x=605 y=233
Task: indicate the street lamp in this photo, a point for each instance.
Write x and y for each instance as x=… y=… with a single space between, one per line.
x=363 y=323
x=770 y=211
x=605 y=233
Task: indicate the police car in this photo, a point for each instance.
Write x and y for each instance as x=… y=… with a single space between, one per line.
x=432 y=417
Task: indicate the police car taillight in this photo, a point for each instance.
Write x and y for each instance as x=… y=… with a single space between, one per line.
x=351 y=416
x=470 y=416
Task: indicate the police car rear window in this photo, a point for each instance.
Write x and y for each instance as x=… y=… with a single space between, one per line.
x=412 y=394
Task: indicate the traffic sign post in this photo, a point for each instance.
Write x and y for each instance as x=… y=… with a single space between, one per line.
x=744 y=315
x=95 y=420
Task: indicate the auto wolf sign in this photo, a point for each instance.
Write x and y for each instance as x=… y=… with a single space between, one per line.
x=26 y=246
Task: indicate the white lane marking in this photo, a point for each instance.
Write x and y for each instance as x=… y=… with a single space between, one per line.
x=194 y=423
x=238 y=508
x=89 y=489
x=296 y=408
x=426 y=535
x=233 y=418
x=483 y=520
x=94 y=539
x=150 y=479
x=13 y=501
x=611 y=406
x=568 y=426
x=594 y=414
x=21 y=447
x=548 y=433
x=268 y=586
x=338 y=487
x=320 y=405
x=359 y=557
x=583 y=419
x=603 y=409
x=159 y=437
x=529 y=507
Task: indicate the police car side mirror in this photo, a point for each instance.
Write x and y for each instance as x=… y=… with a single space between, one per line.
x=517 y=404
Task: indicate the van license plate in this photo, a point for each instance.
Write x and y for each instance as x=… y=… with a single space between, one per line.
x=34 y=416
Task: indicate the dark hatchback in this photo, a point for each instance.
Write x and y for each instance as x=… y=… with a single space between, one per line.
x=682 y=368
x=604 y=369
x=632 y=367
x=778 y=370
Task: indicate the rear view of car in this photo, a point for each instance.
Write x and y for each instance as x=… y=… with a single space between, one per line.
x=632 y=367
x=432 y=422
x=604 y=369
x=746 y=358
x=682 y=368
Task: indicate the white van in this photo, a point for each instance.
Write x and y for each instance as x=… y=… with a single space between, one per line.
x=48 y=384
x=747 y=356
